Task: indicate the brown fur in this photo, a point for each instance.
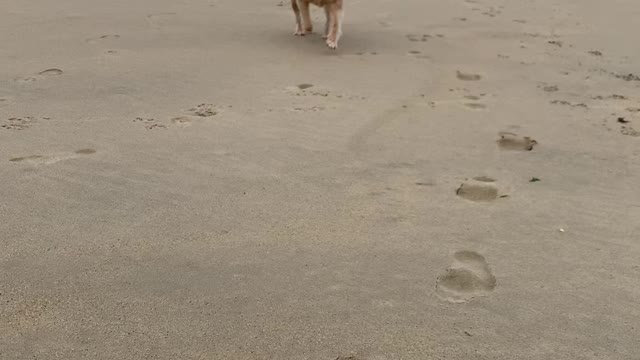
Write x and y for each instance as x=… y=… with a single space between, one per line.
x=333 y=27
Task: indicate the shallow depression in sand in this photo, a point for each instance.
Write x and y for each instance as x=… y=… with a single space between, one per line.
x=467 y=76
x=511 y=141
x=481 y=188
x=51 y=72
x=469 y=276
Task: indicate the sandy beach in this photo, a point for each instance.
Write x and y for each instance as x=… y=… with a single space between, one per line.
x=188 y=180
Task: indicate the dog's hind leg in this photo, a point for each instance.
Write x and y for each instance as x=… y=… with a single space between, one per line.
x=332 y=35
x=296 y=11
x=339 y=20
x=327 y=24
x=306 y=16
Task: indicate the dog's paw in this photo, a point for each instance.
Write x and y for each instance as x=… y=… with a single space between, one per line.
x=299 y=32
x=332 y=44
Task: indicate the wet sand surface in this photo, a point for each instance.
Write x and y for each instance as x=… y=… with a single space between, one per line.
x=188 y=180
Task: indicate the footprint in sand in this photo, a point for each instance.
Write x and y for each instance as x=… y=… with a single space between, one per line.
x=102 y=38
x=51 y=72
x=570 y=104
x=418 y=54
x=476 y=106
x=203 y=110
x=557 y=43
x=311 y=90
x=481 y=188
x=181 y=121
x=52 y=159
x=150 y=123
x=160 y=19
x=41 y=75
x=425 y=183
x=418 y=38
x=491 y=12
x=363 y=53
x=200 y=111
x=362 y=355
x=511 y=141
x=629 y=131
x=19 y=123
x=468 y=277
x=25 y=80
x=549 y=88
x=309 y=109
x=467 y=76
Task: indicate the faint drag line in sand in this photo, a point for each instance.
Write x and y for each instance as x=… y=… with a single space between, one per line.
x=357 y=142
x=52 y=159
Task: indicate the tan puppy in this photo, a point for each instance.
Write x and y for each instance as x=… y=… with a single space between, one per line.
x=333 y=26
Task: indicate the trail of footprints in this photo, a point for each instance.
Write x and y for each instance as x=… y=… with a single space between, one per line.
x=484 y=188
x=200 y=111
x=614 y=103
x=615 y=110
x=312 y=91
x=470 y=101
x=470 y=276
x=20 y=123
x=474 y=103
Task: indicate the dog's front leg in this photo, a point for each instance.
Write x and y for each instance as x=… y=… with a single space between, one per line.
x=306 y=16
x=296 y=11
x=335 y=24
x=326 y=24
